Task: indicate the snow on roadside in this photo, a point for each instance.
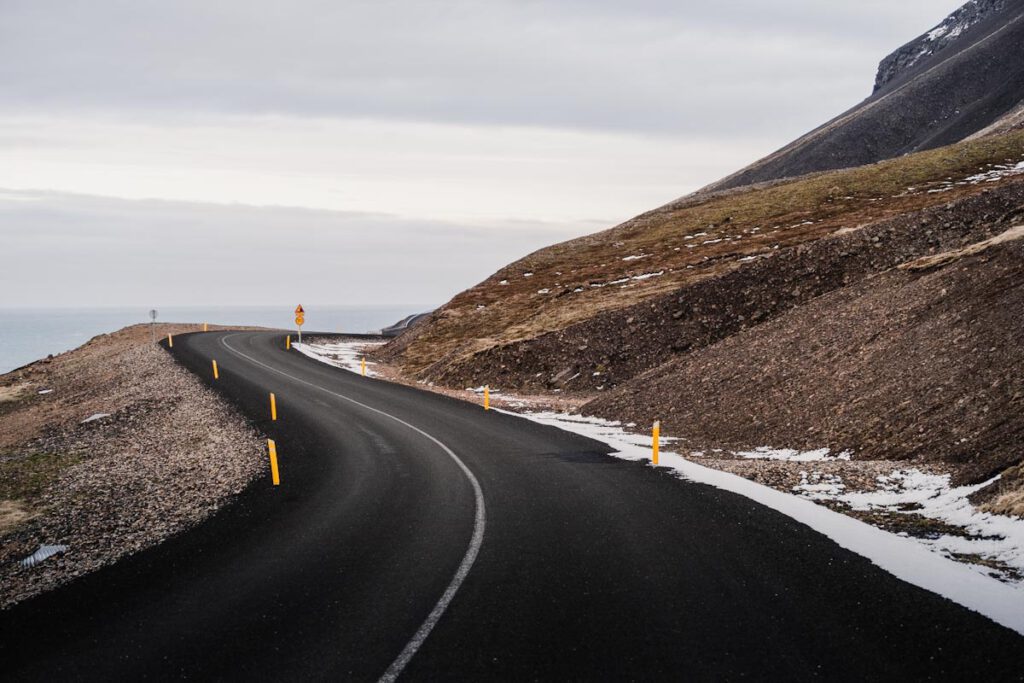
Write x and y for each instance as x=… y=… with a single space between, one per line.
x=818 y=455
x=994 y=537
x=345 y=354
x=913 y=560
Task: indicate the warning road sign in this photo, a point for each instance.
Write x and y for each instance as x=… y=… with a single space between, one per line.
x=300 y=318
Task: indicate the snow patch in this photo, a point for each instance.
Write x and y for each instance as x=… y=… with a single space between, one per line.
x=766 y=453
x=347 y=355
x=911 y=491
x=647 y=276
x=998 y=172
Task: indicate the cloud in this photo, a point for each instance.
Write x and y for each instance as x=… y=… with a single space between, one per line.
x=75 y=250
x=681 y=68
x=430 y=171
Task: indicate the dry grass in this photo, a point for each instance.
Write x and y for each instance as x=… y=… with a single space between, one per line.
x=23 y=479
x=1008 y=504
x=945 y=258
x=25 y=476
x=690 y=240
x=13 y=393
x=1010 y=499
x=13 y=513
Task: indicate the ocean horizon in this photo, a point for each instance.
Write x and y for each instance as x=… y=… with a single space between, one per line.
x=28 y=334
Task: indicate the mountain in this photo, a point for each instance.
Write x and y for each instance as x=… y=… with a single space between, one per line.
x=872 y=308
x=960 y=78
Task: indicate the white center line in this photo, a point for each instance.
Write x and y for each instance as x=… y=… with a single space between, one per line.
x=479 y=521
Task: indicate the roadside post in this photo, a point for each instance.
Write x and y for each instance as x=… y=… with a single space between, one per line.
x=170 y=341
x=288 y=343
x=364 y=366
x=216 y=375
x=487 y=397
x=300 y=318
x=656 y=436
x=275 y=475
x=206 y=327
x=273 y=407
x=152 y=324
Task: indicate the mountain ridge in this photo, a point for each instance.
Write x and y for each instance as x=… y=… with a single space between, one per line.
x=959 y=88
x=935 y=40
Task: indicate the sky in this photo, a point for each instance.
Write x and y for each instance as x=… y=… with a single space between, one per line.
x=390 y=151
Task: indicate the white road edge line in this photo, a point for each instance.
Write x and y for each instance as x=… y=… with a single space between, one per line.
x=479 y=521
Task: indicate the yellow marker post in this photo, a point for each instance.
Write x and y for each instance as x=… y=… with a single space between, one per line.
x=206 y=328
x=216 y=375
x=170 y=341
x=487 y=397
x=656 y=438
x=273 y=407
x=275 y=475
x=288 y=342
x=364 y=366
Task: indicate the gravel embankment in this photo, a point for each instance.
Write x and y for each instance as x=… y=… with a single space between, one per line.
x=168 y=454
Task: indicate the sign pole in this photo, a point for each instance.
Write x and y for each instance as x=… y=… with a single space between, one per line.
x=300 y=317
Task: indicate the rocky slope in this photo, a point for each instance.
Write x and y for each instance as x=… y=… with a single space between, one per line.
x=615 y=345
x=755 y=243
x=919 y=361
x=159 y=454
x=953 y=81
x=628 y=318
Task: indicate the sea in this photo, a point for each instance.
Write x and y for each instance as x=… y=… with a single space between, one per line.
x=27 y=335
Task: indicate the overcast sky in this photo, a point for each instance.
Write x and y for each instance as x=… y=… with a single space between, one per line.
x=385 y=152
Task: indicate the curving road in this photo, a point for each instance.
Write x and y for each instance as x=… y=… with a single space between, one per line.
x=419 y=537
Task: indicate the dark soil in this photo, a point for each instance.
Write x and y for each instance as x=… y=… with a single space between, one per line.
x=903 y=365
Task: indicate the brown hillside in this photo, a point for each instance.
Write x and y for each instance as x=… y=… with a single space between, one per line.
x=549 y=312
x=920 y=362
x=613 y=346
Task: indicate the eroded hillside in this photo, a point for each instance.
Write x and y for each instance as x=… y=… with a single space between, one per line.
x=919 y=362
x=591 y=313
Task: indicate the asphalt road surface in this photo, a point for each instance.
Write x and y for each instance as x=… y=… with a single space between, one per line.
x=421 y=537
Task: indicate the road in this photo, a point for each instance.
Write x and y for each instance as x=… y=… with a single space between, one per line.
x=420 y=536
